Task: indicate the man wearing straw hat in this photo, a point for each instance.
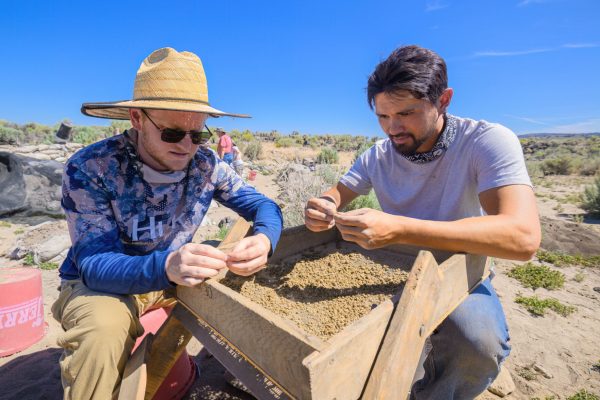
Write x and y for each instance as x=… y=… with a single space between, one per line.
x=133 y=203
x=443 y=182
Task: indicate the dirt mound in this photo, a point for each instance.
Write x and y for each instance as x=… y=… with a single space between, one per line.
x=569 y=237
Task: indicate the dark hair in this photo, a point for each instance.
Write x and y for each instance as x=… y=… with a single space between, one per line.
x=415 y=69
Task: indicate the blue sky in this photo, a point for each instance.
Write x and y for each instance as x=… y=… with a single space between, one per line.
x=531 y=65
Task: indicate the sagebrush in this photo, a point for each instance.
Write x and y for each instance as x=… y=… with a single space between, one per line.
x=591 y=198
x=300 y=185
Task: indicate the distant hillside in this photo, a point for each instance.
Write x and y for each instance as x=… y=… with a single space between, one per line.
x=542 y=135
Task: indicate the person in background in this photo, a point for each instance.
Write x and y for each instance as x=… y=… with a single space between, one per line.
x=224 y=147
x=238 y=163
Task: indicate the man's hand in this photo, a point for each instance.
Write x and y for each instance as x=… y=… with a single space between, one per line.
x=193 y=263
x=250 y=255
x=318 y=214
x=368 y=228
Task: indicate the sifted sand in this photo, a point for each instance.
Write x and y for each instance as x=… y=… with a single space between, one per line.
x=323 y=291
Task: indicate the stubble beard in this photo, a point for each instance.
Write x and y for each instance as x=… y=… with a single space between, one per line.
x=410 y=149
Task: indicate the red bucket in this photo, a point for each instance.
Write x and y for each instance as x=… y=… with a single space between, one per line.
x=182 y=375
x=251 y=175
x=21 y=309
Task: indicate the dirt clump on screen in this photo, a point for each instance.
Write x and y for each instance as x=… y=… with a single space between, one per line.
x=323 y=291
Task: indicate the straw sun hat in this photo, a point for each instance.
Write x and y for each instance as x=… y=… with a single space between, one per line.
x=166 y=80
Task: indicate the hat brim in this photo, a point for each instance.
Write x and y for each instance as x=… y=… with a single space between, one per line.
x=120 y=109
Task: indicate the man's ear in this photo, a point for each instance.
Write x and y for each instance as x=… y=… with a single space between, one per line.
x=135 y=116
x=445 y=99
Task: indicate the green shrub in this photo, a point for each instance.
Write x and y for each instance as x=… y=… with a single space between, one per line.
x=345 y=145
x=285 y=142
x=583 y=395
x=328 y=156
x=591 y=198
x=557 y=166
x=48 y=265
x=329 y=174
x=579 y=277
x=538 y=307
x=298 y=186
x=28 y=260
x=247 y=136
x=9 y=135
x=573 y=198
x=37 y=133
x=366 y=201
x=534 y=169
x=119 y=126
x=86 y=134
x=253 y=150
x=313 y=142
x=537 y=276
x=566 y=260
x=590 y=168
x=528 y=373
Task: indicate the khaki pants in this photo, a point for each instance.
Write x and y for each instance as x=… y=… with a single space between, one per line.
x=100 y=331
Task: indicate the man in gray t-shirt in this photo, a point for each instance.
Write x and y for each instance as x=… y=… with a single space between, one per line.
x=443 y=182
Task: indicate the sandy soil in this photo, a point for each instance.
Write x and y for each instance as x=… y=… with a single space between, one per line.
x=566 y=348
x=325 y=290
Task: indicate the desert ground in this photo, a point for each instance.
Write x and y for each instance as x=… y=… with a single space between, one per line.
x=553 y=356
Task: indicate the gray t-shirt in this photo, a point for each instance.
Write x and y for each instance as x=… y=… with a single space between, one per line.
x=482 y=156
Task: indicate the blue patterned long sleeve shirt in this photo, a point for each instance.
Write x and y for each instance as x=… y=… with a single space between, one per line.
x=123 y=228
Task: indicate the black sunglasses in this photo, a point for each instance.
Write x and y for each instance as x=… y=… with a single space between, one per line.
x=170 y=135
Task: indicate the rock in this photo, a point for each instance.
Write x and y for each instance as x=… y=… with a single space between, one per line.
x=27 y=149
x=542 y=371
x=61 y=257
x=42 y=147
x=29 y=186
x=503 y=385
x=569 y=237
x=41 y=156
x=44 y=241
x=52 y=248
x=54 y=156
x=53 y=153
x=73 y=146
x=213 y=204
x=60 y=159
x=292 y=170
x=597 y=289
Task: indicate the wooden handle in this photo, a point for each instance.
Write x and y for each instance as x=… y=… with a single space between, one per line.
x=238 y=231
